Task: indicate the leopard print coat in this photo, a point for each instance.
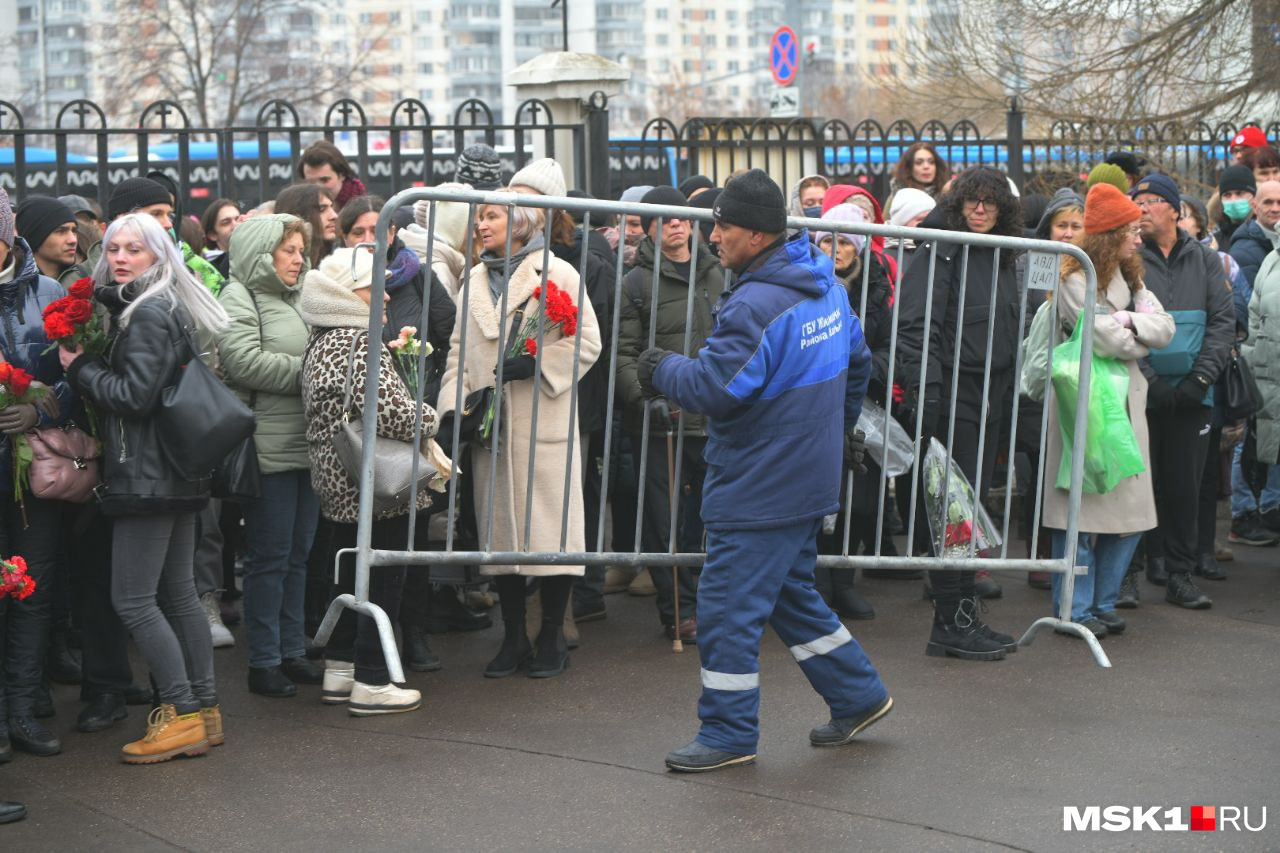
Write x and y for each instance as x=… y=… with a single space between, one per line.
x=324 y=374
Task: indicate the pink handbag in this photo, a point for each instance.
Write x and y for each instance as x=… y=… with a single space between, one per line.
x=64 y=465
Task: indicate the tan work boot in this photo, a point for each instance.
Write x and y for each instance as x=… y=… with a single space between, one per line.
x=168 y=736
x=212 y=717
x=617 y=580
x=642 y=585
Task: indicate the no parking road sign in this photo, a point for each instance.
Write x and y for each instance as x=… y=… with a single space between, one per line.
x=784 y=56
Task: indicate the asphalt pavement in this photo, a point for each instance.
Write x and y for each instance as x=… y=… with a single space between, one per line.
x=975 y=756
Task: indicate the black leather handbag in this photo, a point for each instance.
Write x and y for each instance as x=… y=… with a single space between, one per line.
x=238 y=477
x=1243 y=399
x=200 y=420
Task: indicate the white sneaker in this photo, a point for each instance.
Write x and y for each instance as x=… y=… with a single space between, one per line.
x=368 y=700
x=221 y=635
x=339 y=676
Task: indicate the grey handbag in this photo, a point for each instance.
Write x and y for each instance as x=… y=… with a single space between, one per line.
x=392 y=459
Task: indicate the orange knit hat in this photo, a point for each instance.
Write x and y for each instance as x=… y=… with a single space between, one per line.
x=1106 y=209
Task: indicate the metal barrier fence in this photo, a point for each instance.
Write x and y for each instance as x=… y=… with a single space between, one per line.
x=1042 y=274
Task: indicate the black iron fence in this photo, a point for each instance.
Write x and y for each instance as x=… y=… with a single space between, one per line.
x=81 y=153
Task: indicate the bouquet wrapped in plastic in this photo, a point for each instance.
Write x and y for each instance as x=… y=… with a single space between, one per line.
x=957 y=519
x=902 y=451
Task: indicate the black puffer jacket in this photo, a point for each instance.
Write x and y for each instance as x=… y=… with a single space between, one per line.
x=593 y=389
x=939 y=338
x=405 y=309
x=142 y=360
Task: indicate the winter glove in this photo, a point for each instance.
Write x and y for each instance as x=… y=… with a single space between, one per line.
x=660 y=414
x=646 y=364
x=18 y=418
x=516 y=367
x=1191 y=391
x=1160 y=396
x=855 y=450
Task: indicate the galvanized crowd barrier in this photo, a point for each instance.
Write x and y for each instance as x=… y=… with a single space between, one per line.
x=1042 y=275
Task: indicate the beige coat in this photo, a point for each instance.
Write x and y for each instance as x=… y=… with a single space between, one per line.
x=486 y=334
x=1130 y=507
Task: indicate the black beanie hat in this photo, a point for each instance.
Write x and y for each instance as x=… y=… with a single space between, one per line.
x=752 y=200
x=661 y=195
x=692 y=184
x=1237 y=177
x=135 y=193
x=39 y=216
x=706 y=201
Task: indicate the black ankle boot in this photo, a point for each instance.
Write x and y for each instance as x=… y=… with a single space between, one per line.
x=446 y=613
x=1156 y=571
x=515 y=651
x=845 y=600
x=956 y=633
x=417 y=653
x=553 y=652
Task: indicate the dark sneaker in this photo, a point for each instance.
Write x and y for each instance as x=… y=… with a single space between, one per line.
x=1183 y=592
x=1040 y=580
x=841 y=730
x=1115 y=624
x=1093 y=626
x=271 y=681
x=29 y=735
x=696 y=757
x=1269 y=520
x=1254 y=529
x=1207 y=567
x=102 y=713
x=1128 y=597
x=417 y=650
x=302 y=671
x=589 y=612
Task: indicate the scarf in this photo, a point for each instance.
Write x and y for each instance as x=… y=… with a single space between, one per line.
x=351 y=187
x=497 y=264
x=402 y=268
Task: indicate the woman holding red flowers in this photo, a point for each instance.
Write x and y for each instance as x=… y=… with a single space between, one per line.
x=29 y=526
x=159 y=315
x=501 y=285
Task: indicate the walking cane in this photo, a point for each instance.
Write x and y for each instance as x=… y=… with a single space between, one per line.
x=676 y=645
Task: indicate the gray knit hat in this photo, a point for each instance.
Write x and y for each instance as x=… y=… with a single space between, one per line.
x=480 y=167
x=544 y=176
x=6 y=219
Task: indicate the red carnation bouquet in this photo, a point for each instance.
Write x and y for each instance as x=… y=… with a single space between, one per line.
x=71 y=320
x=14 y=580
x=558 y=310
x=16 y=387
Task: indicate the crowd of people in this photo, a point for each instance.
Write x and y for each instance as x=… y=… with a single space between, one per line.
x=275 y=299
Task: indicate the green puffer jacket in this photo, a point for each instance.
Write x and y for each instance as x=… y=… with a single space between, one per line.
x=261 y=350
x=633 y=324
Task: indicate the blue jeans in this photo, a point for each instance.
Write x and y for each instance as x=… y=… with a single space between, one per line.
x=1242 y=498
x=1107 y=556
x=278 y=530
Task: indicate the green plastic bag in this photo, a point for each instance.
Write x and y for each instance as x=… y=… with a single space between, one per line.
x=1111 y=450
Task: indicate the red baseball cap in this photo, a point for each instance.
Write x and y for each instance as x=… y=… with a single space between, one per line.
x=1249 y=136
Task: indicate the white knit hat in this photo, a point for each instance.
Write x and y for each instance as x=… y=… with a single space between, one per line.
x=350 y=269
x=451 y=217
x=542 y=176
x=908 y=203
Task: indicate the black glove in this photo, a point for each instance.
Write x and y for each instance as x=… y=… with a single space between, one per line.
x=1161 y=396
x=516 y=367
x=661 y=415
x=1191 y=391
x=444 y=433
x=855 y=449
x=646 y=364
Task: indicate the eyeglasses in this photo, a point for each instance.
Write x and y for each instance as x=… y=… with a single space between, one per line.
x=1135 y=231
x=1145 y=203
x=974 y=204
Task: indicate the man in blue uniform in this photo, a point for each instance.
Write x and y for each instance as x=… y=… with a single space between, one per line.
x=781 y=380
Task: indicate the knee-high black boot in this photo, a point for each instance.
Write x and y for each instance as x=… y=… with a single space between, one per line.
x=515 y=648
x=552 y=656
